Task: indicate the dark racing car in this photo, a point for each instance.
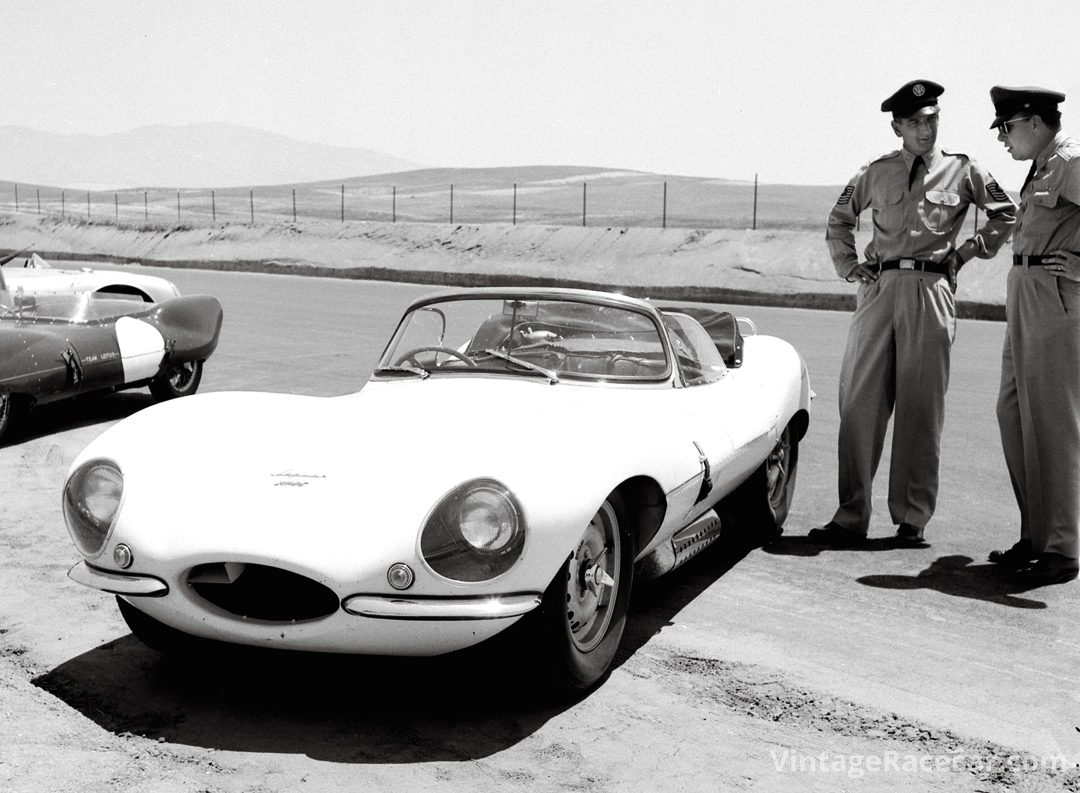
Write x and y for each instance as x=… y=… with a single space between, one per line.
x=54 y=347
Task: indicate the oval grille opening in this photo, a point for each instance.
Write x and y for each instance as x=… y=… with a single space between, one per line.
x=260 y=592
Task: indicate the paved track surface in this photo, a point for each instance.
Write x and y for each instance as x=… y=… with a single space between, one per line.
x=733 y=667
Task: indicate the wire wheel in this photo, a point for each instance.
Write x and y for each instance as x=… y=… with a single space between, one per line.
x=592 y=580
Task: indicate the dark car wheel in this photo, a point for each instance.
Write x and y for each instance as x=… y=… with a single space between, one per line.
x=584 y=608
x=180 y=380
x=8 y=405
x=759 y=506
x=156 y=635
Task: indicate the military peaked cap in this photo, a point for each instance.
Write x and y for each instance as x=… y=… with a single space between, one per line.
x=913 y=97
x=1028 y=100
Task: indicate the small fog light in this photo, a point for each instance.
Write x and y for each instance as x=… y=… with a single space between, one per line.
x=122 y=556
x=400 y=576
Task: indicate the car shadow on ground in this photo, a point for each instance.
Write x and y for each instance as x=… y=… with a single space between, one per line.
x=349 y=709
x=958 y=577
x=655 y=603
x=83 y=411
x=340 y=709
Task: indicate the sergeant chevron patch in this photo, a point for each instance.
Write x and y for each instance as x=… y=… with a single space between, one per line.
x=846 y=195
x=996 y=192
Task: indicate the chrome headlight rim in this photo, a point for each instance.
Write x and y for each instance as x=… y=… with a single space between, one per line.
x=446 y=550
x=91 y=525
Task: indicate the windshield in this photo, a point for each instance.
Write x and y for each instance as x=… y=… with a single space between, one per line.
x=551 y=338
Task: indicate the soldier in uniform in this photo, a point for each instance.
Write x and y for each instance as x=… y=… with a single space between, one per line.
x=901 y=334
x=1039 y=402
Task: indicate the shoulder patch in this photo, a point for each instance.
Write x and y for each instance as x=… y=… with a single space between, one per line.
x=995 y=191
x=845 y=196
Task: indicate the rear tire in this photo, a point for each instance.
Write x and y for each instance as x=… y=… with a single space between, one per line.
x=583 y=613
x=760 y=505
x=180 y=380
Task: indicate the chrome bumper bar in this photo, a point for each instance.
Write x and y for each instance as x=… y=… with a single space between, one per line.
x=481 y=607
x=117 y=583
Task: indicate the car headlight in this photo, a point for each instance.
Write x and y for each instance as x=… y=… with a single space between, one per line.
x=91 y=501
x=475 y=533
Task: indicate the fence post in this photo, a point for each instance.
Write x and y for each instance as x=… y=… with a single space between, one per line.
x=39 y=201
x=87 y=204
x=343 y=203
x=393 y=206
x=145 y=208
x=62 y=204
x=451 y=202
x=754 y=225
x=294 y=206
x=975 y=225
x=584 y=194
x=116 y=206
x=16 y=197
x=213 y=207
x=664 y=222
x=177 y=206
x=251 y=205
x=515 y=204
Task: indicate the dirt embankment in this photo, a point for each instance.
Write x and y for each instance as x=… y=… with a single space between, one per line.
x=763 y=267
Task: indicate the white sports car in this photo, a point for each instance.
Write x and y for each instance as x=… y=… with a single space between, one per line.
x=518 y=454
x=35 y=276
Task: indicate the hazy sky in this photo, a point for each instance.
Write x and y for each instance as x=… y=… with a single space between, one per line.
x=787 y=89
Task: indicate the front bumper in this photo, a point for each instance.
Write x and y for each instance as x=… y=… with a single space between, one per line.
x=117 y=584
x=401 y=607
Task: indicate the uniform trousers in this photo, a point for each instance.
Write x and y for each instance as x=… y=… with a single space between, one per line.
x=1038 y=406
x=897 y=357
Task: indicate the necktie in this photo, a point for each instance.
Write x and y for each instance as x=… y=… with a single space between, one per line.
x=1030 y=176
x=914 y=169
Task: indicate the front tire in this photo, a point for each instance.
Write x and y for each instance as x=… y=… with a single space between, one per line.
x=154 y=634
x=178 y=380
x=584 y=609
x=8 y=410
x=760 y=505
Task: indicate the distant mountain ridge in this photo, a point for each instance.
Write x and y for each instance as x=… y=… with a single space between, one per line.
x=187 y=156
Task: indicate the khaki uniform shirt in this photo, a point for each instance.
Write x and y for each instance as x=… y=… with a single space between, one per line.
x=1050 y=202
x=923 y=222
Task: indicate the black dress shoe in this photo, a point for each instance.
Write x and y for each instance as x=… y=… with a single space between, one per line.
x=835 y=535
x=910 y=535
x=1050 y=568
x=1018 y=557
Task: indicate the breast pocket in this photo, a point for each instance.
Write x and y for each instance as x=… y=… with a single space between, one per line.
x=940 y=208
x=1048 y=201
x=889 y=209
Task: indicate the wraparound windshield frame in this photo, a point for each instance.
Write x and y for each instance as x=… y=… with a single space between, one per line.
x=386 y=369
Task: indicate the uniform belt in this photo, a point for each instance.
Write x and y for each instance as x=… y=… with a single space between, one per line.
x=913 y=264
x=1028 y=260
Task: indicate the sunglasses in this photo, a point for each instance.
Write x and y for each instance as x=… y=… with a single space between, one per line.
x=1005 y=125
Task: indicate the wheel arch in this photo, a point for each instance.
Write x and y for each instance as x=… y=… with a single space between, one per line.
x=800 y=423
x=645 y=505
x=125 y=290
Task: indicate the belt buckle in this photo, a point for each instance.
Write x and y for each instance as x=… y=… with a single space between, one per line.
x=907 y=264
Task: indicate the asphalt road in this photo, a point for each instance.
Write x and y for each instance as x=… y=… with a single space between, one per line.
x=736 y=655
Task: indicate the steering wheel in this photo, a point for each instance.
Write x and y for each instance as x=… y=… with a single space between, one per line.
x=410 y=356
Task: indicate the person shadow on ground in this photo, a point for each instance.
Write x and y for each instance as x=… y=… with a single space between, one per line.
x=957 y=576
